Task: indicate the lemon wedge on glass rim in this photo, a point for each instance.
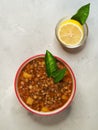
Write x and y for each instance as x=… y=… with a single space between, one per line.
x=70 y=32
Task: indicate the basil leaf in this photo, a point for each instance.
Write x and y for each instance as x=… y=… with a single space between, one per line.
x=58 y=75
x=50 y=62
x=82 y=14
x=52 y=69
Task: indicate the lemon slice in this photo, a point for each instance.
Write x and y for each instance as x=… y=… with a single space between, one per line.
x=70 y=32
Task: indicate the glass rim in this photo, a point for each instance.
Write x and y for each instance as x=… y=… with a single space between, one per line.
x=85 y=26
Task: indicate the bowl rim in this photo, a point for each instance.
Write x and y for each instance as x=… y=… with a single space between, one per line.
x=38 y=112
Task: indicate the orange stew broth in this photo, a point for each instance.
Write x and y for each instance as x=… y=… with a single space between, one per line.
x=39 y=91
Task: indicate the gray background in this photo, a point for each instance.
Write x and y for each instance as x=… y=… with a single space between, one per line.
x=27 y=28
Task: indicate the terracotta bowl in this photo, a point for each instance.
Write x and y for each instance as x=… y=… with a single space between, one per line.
x=65 y=106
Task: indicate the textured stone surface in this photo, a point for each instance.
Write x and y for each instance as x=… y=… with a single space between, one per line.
x=27 y=28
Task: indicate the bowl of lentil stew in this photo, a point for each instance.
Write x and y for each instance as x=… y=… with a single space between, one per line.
x=38 y=93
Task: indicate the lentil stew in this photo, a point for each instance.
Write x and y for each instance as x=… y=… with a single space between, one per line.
x=38 y=91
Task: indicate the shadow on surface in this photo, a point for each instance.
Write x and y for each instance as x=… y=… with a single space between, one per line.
x=51 y=120
x=72 y=50
x=75 y=50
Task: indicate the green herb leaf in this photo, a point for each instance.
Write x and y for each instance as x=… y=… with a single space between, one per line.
x=52 y=69
x=82 y=14
x=58 y=75
x=50 y=62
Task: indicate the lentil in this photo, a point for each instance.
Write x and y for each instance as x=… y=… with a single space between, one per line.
x=39 y=91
